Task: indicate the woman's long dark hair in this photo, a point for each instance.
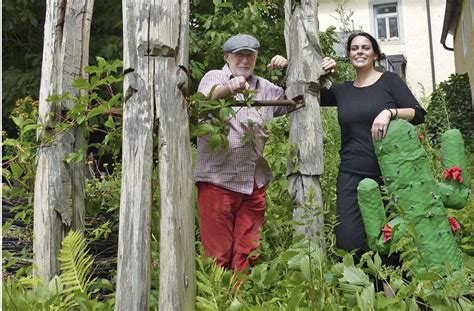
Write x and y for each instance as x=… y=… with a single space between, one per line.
x=375 y=45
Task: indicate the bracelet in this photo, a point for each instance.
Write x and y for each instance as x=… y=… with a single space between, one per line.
x=396 y=113
x=391 y=114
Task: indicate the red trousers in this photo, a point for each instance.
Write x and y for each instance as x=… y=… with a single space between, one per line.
x=230 y=224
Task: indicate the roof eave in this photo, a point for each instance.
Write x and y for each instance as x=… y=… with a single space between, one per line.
x=451 y=16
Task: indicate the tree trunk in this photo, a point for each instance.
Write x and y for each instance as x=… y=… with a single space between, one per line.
x=304 y=70
x=133 y=259
x=59 y=186
x=170 y=47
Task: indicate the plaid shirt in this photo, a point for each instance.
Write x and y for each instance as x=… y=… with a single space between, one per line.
x=238 y=166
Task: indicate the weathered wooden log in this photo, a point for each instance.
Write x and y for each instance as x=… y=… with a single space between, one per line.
x=134 y=256
x=304 y=69
x=59 y=187
x=155 y=57
x=170 y=33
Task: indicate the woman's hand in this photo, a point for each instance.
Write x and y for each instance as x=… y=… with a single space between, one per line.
x=380 y=125
x=329 y=65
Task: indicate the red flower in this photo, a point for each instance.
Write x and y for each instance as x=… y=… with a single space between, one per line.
x=455 y=226
x=421 y=137
x=387 y=233
x=454 y=173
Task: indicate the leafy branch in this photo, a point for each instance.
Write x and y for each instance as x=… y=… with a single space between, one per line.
x=209 y=118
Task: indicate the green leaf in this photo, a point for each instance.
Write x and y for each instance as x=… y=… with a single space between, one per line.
x=28 y=128
x=18 y=120
x=16 y=169
x=101 y=62
x=225 y=113
x=74 y=157
x=215 y=142
x=109 y=123
x=204 y=129
x=81 y=83
x=305 y=267
x=236 y=305
x=76 y=267
x=354 y=278
x=428 y=276
x=55 y=286
x=80 y=119
x=366 y=299
x=296 y=296
x=96 y=111
x=92 y=69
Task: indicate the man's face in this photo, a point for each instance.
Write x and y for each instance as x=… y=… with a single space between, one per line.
x=241 y=63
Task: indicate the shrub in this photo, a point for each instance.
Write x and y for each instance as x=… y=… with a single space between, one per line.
x=451 y=107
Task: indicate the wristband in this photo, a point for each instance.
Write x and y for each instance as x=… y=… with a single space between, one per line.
x=396 y=113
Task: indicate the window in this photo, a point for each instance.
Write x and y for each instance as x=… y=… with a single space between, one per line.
x=394 y=63
x=386 y=22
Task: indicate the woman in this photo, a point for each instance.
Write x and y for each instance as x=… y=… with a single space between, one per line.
x=365 y=108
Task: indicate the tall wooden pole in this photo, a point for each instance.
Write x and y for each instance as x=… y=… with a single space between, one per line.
x=133 y=259
x=177 y=268
x=304 y=70
x=155 y=64
x=59 y=187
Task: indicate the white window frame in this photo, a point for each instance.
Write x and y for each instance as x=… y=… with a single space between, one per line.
x=386 y=17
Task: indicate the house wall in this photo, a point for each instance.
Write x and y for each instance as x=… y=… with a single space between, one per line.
x=464 y=43
x=414 y=39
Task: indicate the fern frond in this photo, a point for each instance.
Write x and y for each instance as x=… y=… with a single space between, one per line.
x=76 y=268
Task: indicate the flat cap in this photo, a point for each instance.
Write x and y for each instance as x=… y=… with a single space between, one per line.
x=240 y=42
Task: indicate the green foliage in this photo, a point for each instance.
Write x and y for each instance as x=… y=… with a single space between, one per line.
x=214 y=22
x=76 y=268
x=98 y=112
x=18 y=160
x=451 y=107
x=73 y=288
x=293 y=274
x=345 y=71
x=22 y=37
x=210 y=118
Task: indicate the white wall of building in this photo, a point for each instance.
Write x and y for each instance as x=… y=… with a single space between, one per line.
x=414 y=39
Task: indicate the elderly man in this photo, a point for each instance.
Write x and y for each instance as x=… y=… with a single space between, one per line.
x=232 y=182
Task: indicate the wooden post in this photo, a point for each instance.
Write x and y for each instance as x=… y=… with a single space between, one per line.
x=134 y=258
x=304 y=70
x=155 y=64
x=59 y=187
x=170 y=47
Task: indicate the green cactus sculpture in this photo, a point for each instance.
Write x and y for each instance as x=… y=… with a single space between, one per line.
x=420 y=200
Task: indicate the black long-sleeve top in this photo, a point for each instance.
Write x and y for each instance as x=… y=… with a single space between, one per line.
x=357 y=109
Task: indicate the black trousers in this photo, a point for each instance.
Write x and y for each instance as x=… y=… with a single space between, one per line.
x=350 y=232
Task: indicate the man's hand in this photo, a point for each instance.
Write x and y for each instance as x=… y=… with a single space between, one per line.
x=278 y=62
x=237 y=85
